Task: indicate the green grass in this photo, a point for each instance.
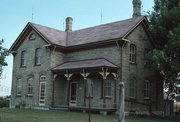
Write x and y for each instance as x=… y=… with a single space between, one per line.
x=22 y=115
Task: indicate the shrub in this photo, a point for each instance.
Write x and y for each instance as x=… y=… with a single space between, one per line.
x=4 y=102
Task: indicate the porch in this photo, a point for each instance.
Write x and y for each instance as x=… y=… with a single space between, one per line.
x=77 y=82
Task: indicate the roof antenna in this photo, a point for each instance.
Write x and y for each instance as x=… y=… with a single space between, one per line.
x=32 y=14
x=63 y=23
x=101 y=15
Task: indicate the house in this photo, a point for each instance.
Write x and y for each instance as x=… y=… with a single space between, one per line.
x=66 y=69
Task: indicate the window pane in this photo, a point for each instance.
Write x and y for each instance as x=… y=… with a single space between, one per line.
x=132 y=89
x=19 y=87
x=132 y=53
x=23 y=58
x=38 y=56
x=30 y=82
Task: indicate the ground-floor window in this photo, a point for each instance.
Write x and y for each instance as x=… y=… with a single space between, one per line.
x=30 y=86
x=146 y=89
x=132 y=88
x=19 y=87
x=107 y=89
x=42 y=91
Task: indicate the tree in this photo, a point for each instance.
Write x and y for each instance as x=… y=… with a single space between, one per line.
x=165 y=30
x=3 y=54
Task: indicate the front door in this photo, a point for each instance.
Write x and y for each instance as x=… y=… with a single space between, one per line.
x=73 y=91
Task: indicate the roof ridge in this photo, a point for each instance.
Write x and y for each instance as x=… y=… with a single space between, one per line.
x=106 y=24
x=46 y=27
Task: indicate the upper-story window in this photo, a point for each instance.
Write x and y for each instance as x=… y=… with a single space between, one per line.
x=23 y=60
x=38 y=56
x=108 y=89
x=132 y=53
x=146 y=89
x=29 y=86
x=132 y=88
x=19 y=87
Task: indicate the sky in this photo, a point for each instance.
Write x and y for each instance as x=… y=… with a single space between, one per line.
x=15 y=14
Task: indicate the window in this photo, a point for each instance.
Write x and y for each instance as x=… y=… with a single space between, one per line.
x=132 y=88
x=23 y=62
x=132 y=54
x=108 y=89
x=42 y=90
x=38 y=56
x=146 y=89
x=30 y=86
x=19 y=87
x=89 y=88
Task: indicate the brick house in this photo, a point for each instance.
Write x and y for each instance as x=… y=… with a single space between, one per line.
x=55 y=69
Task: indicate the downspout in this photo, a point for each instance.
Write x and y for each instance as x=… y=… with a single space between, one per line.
x=121 y=113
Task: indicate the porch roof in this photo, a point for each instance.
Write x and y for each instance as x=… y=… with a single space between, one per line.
x=85 y=64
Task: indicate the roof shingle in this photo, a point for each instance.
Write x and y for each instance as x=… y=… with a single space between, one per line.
x=89 y=35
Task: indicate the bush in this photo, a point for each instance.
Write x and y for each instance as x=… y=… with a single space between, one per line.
x=4 y=102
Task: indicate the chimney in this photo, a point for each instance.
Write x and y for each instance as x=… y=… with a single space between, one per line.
x=69 y=24
x=136 y=8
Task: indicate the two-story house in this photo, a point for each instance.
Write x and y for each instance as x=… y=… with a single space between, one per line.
x=64 y=69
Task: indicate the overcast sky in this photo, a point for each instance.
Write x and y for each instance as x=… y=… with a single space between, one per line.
x=15 y=14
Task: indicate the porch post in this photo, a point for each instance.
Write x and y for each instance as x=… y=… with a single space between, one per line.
x=85 y=75
x=104 y=74
x=68 y=76
x=53 y=81
x=115 y=89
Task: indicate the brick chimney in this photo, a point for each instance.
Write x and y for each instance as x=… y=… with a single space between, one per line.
x=69 y=24
x=136 y=8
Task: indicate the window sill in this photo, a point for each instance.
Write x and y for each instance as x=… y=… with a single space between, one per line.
x=29 y=95
x=22 y=66
x=134 y=63
x=146 y=98
x=18 y=95
x=89 y=97
x=107 y=97
x=37 y=65
x=132 y=98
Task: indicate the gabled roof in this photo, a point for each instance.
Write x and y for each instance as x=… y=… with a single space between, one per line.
x=87 y=64
x=102 y=32
x=55 y=36
x=115 y=30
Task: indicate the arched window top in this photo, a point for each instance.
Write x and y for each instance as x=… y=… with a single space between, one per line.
x=42 y=78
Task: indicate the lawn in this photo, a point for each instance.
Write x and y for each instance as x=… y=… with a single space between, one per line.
x=22 y=115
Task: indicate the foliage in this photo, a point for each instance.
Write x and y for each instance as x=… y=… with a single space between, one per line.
x=177 y=98
x=4 y=102
x=165 y=30
x=3 y=54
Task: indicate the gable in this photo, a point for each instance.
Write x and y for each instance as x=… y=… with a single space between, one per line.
x=140 y=33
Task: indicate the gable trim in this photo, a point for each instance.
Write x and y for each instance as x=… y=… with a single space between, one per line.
x=144 y=18
x=29 y=27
